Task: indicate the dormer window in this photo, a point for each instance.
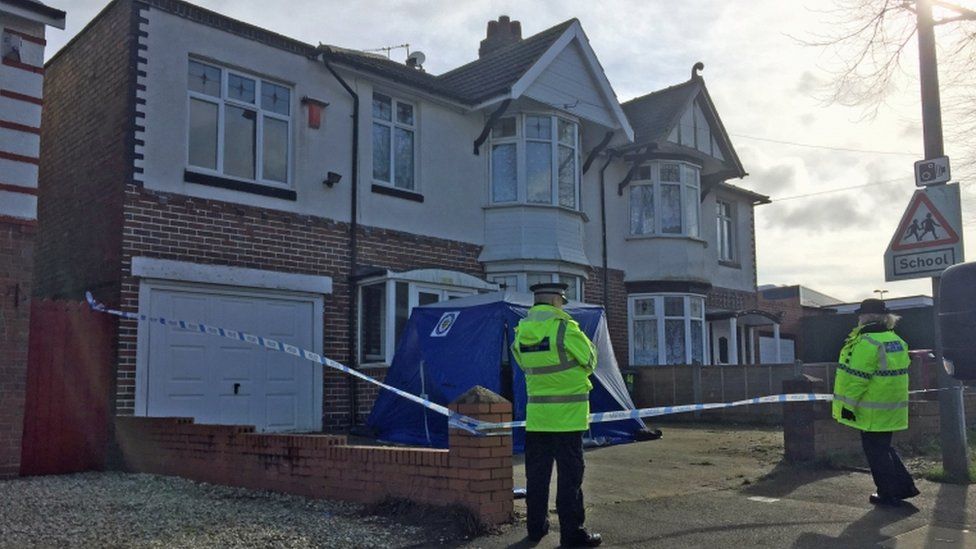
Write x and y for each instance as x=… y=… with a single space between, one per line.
x=535 y=160
x=664 y=200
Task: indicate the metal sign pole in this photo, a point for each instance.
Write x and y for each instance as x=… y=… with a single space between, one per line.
x=955 y=459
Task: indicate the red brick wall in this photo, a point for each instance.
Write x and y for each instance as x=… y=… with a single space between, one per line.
x=85 y=160
x=616 y=311
x=16 y=266
x=475 y=472
x=170 y=226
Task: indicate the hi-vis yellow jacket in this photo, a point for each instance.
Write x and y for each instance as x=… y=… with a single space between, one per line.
x=871 y=387
x=557 y=359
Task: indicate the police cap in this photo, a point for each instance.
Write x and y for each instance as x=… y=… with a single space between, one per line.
x=550 y=288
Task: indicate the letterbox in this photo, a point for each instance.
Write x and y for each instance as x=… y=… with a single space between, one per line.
x=957 y=317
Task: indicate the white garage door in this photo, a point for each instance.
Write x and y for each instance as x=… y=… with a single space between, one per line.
x=223 y=381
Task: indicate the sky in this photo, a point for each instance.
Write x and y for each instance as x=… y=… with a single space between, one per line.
x=768 y=88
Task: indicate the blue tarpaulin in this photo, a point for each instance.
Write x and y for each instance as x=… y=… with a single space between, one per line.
x=449 y=347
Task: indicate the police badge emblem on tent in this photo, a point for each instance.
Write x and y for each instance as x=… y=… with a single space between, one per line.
x=445 y=323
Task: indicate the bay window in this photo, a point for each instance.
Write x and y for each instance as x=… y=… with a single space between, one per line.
x=521 y=282
x=664 y=200
x=535 y=159
x=394 y=131
x=239 y=125
x=666 y=329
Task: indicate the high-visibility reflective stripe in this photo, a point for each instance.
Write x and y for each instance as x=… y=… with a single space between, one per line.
x=872 y=405
x=892 y=373
x=853 y=372
x=561 y=343
x=882 y=354
x=555 y=368
x=558 y=399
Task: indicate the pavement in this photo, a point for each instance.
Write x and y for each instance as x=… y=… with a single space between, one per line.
x=720 y=486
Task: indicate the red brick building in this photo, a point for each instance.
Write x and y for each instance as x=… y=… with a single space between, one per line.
x=22 y=28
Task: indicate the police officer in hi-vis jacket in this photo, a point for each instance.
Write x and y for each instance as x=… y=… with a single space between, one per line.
x=871 y=394
x=557 y=360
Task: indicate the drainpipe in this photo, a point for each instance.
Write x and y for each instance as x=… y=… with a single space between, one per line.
x=603 y=227
x=324 y=51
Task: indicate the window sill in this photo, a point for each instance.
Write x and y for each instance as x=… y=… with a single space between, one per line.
x=504 y=205
x=730 y=264
x=373 y=365
x=701 y=241
x=397 y=193
x=238 y=185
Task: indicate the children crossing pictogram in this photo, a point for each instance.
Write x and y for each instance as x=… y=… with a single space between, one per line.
x=923 y=226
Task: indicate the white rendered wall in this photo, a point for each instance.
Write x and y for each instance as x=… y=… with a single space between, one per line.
x=449 y=176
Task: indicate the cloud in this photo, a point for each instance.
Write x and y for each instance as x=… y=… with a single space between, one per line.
x=808 y=83
x=818 y=215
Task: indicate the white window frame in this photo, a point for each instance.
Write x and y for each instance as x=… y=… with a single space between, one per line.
x=729 y=255
x=393 y=124
x=522 y=281
x=690 y=180
x=520 y=140
x=660 y=317
x=260 y=114
x=388 y=333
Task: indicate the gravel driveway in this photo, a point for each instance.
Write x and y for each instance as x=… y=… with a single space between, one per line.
x=138 y=510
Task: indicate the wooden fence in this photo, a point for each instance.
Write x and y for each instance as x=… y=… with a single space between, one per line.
x=69 y=387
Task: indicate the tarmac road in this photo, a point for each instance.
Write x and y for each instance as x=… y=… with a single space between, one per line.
x=720 y=487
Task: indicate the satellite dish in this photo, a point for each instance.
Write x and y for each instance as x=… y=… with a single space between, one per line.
x=416 y=59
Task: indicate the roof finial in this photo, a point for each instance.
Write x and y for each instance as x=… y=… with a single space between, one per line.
x=699 y=66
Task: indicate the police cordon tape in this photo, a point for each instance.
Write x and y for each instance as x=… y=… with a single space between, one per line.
x=455 y=419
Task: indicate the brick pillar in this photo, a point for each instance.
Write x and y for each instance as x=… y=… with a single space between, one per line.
x=481 y=466
x=798 y=422
x=16 y=274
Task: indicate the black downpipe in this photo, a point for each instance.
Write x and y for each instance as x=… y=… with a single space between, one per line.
x=353 y=248
x=603 y=227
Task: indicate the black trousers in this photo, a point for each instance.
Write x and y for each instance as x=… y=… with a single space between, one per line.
x=566 y=450
x=890 y=476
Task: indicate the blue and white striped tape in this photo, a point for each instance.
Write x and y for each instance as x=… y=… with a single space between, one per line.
x=455 y=419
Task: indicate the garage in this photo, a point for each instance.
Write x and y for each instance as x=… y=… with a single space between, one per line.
x=186 y=373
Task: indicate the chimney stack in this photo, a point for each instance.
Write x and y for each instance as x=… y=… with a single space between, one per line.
x=500 y=34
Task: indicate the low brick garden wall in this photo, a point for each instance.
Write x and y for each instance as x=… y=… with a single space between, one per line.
x=811 y=434
x=475 y=472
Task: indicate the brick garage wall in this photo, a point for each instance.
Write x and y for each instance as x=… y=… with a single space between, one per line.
x=85 y=160
x=475 y=472
x=616 y=312
x=735 y=300
x=182 y=228
x=16 y=267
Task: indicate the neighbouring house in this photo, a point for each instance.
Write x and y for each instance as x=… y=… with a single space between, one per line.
x=22 y=27
x=824 y=334
x=203 y=168
x=794 y=304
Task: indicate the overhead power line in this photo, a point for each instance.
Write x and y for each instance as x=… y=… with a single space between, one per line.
x=842 y=189
x=826 y=147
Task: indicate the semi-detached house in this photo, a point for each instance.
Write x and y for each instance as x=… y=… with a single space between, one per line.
x=203 y=168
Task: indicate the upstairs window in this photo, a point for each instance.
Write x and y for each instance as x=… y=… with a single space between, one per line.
x=664 y=200
x=725 y=231
x=535 y=159
x=239 y=125
x=394 y=140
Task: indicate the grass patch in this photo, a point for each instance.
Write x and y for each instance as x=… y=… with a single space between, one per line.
x=938 y=474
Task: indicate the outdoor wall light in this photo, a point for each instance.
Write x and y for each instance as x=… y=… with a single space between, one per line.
x=331 y=179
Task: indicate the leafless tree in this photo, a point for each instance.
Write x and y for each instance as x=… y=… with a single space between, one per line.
x=870 y=41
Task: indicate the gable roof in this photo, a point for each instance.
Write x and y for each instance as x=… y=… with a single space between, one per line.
x=496 y=73
x=656 y=114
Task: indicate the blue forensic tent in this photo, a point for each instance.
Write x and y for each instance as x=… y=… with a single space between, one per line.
x=449 y=347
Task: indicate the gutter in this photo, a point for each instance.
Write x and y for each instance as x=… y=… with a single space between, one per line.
x=324 y=52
